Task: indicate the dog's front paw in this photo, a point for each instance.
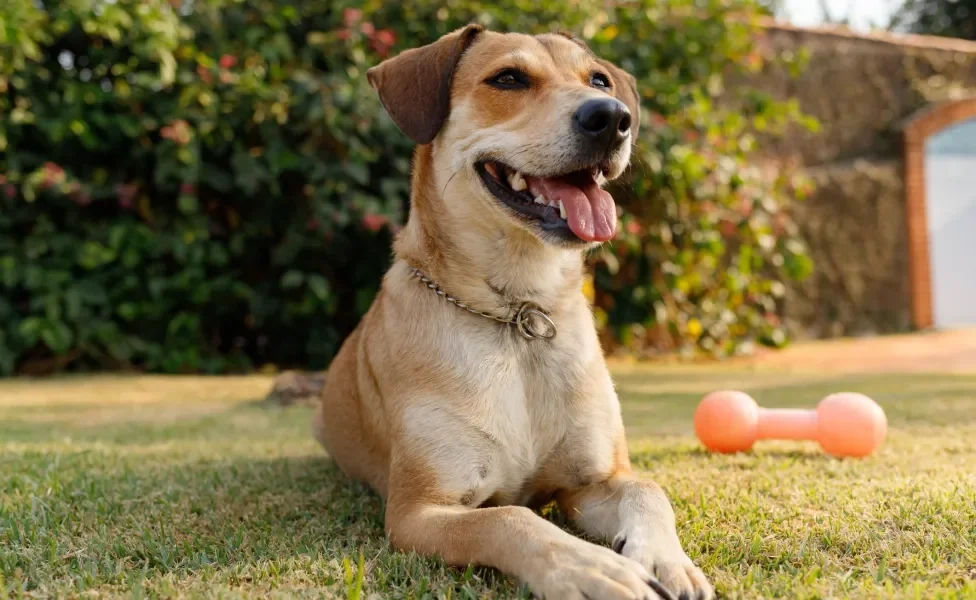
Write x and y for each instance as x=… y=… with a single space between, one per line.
x=584 y=571
x=669 y=564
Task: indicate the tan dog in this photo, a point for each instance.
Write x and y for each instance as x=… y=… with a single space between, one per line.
x=462 y=420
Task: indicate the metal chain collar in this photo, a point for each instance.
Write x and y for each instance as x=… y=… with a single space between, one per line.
x=522 y=319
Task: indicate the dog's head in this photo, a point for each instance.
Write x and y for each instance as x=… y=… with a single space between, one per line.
x=529 y=127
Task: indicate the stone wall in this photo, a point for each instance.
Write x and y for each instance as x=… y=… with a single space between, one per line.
x=863 y=89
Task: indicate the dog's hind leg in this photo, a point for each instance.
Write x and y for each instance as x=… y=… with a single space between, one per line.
x=343 y=425
x=318 y=424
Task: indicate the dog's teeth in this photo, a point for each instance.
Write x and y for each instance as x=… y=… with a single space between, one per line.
x=540 y=200
x=517 y=181
x=562 y=210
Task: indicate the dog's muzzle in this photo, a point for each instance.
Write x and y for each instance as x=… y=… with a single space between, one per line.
x=604 y=123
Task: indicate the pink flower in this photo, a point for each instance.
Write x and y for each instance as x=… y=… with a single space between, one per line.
x=351 y=16
x=383 y=41
x=227 y=61
x=745 y=207
x=178 y=131
x=53 y=175
x=126 y=192
x=188 y=188
x=780 y=222
x=754 y=60
x=367 y=28
x=82 y=198
x=10 y=191
x=53 y=169
x=373 y=222
x=204 y=74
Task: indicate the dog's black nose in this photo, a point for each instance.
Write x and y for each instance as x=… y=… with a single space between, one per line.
x=604 y=120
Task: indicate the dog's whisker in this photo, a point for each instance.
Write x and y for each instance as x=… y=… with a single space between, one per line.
x=450 y=179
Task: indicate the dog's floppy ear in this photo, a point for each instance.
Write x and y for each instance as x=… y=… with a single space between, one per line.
x=625 y=88
x=415 y=85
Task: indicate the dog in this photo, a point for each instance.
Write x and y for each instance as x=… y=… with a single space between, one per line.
x=475 y=390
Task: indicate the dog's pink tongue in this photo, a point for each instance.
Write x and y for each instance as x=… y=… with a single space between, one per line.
x=590 y=211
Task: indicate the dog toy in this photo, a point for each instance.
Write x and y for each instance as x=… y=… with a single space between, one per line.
x=845 y=424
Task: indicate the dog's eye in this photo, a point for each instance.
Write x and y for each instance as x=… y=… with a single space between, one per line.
x=599 y=80
x=509 y=79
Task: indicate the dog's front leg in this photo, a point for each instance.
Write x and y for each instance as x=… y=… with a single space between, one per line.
x=638 y=519
x=513 y=539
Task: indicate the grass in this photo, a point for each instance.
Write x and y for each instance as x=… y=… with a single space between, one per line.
x=168 y=487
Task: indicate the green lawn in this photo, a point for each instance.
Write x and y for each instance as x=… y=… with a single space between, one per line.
x=165 y=487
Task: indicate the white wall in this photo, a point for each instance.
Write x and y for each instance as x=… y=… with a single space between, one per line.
x=950 y=181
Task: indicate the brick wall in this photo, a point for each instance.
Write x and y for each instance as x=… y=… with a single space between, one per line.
x=877 y=97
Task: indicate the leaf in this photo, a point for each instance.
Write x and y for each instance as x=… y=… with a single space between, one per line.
x=187 y=204
x=319 y=286
x=354 y=577
x=127 y=310
x=799 y=266
x=8 y=270
x=292 y=279
x=7 y=362
x=30 y=330
x=358 y=172
x=57 y=336
x=607 y=34
x=364 y=299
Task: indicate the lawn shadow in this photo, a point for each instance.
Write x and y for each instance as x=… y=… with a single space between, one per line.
x=307 y=497
x=183 y=518
x=220 y=519
x=141 y=424
x=797 y=455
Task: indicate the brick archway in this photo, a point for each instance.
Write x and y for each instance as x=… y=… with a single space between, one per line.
x=928 y=122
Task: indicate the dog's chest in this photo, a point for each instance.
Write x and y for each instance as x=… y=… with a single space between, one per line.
x=528 y=411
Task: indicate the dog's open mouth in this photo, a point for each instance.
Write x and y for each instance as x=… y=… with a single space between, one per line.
x=571 y=203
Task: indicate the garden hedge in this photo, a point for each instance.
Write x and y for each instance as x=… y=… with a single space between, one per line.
x=212 y=186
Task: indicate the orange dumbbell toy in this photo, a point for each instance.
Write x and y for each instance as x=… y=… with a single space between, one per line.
x=845 y=424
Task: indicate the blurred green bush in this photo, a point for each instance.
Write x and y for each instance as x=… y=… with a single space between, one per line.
x=211 y=185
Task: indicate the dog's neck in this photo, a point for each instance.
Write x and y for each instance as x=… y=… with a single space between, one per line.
x=491 y=269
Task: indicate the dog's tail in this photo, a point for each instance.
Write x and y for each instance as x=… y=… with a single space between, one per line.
x=293 y=387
